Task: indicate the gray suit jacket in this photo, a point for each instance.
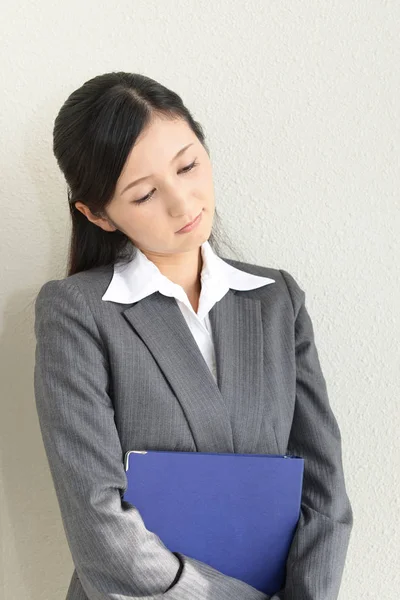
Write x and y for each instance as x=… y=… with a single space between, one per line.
x=112 y=377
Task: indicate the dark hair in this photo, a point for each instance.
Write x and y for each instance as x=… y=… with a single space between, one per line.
x=93 y=134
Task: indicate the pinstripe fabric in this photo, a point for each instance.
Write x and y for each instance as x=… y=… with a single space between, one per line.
x=112 y=377
x=140 y=277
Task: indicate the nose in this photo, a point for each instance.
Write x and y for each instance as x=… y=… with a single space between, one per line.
x=178 y=201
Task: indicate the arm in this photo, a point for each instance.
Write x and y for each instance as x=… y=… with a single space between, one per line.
x=317 y=555
x=115 y=556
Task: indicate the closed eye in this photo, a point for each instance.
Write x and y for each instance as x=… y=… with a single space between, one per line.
x=184 y=170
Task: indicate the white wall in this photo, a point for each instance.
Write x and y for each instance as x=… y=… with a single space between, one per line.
x=300 y=103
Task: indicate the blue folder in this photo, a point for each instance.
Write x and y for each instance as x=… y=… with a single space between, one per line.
x=236 y=512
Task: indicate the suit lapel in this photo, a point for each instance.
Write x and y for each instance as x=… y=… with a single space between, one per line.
x=238 y=339
x=223 y=417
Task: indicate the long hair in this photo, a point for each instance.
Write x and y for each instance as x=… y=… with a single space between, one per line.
x=93 y=134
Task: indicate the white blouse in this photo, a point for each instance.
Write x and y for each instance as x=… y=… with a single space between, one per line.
x=141 y=277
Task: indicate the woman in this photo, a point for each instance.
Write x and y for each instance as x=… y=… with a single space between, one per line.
x=154 y=341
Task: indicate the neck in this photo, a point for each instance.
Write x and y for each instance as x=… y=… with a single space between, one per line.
x=183 y=269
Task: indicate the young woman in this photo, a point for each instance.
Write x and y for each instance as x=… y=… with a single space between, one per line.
x=154 y=341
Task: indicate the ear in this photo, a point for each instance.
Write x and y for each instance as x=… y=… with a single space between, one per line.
x=100 y=221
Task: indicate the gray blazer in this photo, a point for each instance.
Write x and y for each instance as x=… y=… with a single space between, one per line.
x=112 y=377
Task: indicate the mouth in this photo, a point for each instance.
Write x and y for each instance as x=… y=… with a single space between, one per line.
x=191 y=225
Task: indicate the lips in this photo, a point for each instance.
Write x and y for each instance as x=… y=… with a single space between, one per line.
x=191 y=222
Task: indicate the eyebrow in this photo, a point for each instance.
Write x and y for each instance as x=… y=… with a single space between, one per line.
x=181 y=151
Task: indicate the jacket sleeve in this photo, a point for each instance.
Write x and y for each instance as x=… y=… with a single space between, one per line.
x=115 y=556
x=318 y=551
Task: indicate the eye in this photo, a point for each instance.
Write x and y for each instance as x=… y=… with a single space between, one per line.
x=184 y=170
x=189 y=167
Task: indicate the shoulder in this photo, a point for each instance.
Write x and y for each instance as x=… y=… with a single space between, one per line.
x=286 y=284
x=86 y=283
x=66 y=307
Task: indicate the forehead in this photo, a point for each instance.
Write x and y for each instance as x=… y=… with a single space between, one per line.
x=158 y=144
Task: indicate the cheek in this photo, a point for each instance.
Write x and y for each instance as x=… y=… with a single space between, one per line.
x=209 y=195
x=147 y=220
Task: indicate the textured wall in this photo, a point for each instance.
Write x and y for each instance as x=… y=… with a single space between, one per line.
x=300 y=103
